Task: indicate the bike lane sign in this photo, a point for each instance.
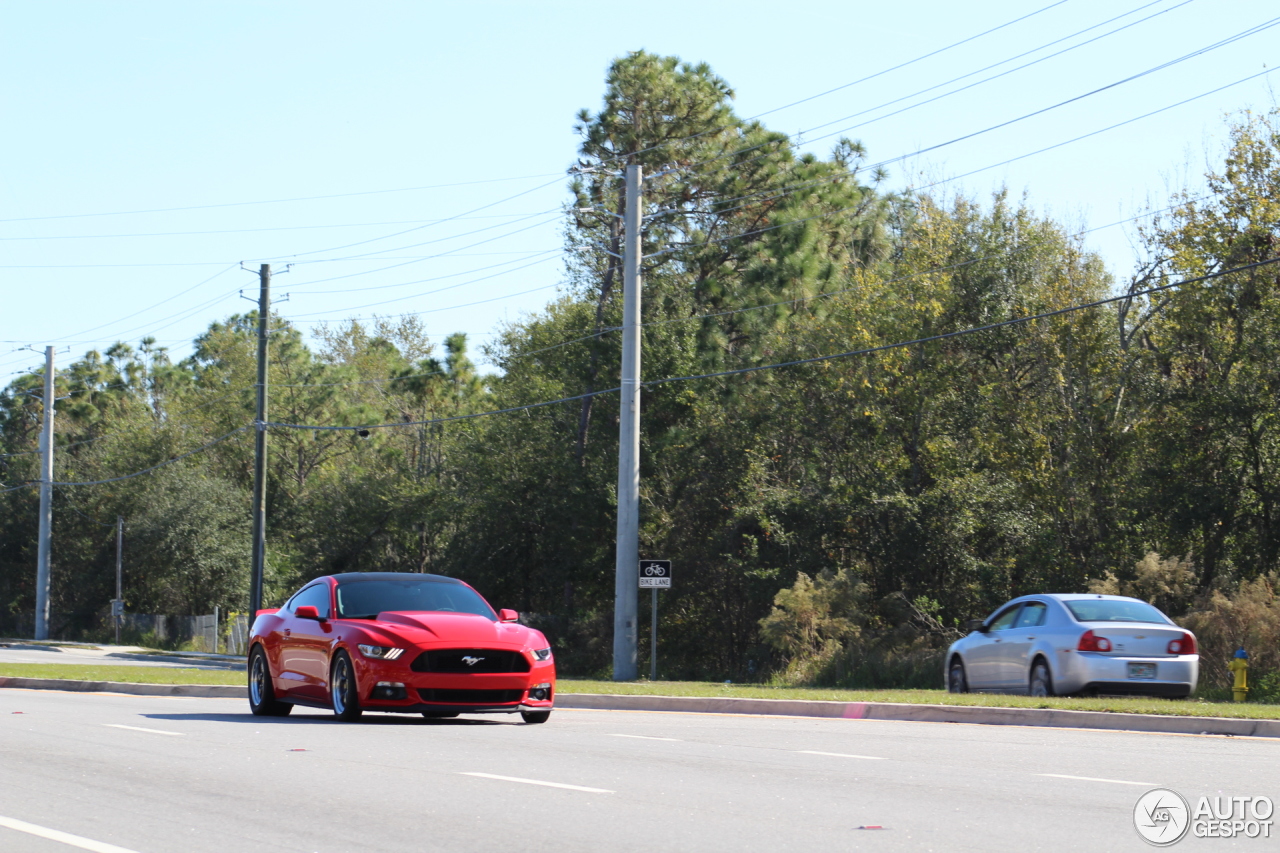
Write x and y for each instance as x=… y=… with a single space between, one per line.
x=655 y=574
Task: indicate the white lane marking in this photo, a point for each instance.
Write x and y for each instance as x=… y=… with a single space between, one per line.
x=1095 y=779
x=842 y=755
x=647 y=737
x=64 y=837
x=140 y=729
x=540 y=782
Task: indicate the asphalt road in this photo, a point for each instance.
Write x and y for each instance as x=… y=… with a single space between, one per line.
x=159 y=774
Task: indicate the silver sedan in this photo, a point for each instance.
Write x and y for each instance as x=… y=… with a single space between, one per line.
x=1046 y=645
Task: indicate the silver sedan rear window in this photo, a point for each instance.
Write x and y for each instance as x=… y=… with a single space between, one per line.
x=1112 y=610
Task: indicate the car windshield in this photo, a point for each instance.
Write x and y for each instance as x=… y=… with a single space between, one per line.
x=1113 y=610
x=366 y=599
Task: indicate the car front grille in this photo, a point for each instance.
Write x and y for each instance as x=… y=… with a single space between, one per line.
x=470 y=661
x=471 y=697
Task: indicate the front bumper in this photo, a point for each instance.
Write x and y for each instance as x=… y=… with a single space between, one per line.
x=450 y=693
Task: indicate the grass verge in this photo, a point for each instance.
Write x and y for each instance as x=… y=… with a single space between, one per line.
x=1188 y=707
x=1127 y=705
x=126 y=674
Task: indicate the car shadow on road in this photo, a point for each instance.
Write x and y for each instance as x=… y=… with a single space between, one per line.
x=319 y=719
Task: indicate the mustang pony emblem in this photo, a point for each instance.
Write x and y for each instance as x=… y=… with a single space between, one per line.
x=470 y=660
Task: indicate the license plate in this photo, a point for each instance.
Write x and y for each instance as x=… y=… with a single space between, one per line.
x=1142 y=670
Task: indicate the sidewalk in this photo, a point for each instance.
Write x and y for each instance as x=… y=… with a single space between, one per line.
x=54 y=652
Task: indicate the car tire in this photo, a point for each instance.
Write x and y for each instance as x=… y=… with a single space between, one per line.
x=534 y=718
x=956 y=680
x=344 y=694
x=262 y=695
x=1041 y=682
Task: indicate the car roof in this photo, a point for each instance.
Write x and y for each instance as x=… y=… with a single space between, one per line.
x=350 y=577
x=1073 y=596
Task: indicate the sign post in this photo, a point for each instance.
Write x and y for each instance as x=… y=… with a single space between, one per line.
x=656 y=575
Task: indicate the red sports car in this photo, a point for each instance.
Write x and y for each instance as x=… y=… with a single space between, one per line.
x=405 y=643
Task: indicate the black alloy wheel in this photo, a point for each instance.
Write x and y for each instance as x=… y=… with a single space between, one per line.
x=956 y=681
x=1041 y=680
x=262 y=696
x=343 y=691
x=533 y=718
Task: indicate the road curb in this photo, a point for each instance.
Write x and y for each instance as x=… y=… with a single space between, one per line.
x=927 y=714
x=893 y=711
x=227 y=691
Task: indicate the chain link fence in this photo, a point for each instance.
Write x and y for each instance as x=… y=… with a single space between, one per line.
x=226 y=633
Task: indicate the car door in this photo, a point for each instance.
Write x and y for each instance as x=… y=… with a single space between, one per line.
x=310 y=642
x=1015 y=645
x=984 y=659
x=302 y=674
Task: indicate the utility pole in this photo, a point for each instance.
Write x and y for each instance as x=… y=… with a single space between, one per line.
x=653 y=635
x=43 y=547
x=627 y=566
x=118 y=605
x=260 y=449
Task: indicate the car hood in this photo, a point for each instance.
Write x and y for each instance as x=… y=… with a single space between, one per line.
x=465 y=629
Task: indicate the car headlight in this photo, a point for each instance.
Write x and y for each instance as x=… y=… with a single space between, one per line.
x=380 y=652
x=541 y=654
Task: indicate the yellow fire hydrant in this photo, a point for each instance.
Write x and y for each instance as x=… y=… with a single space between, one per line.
x=1239 y=667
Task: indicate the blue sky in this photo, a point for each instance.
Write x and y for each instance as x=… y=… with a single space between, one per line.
x=285 y=132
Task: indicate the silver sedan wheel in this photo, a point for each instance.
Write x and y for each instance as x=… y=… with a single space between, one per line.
x=1041 y=680
x=956 y=681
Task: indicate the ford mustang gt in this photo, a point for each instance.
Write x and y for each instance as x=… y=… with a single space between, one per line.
x=1044 y=645
x=404 y=643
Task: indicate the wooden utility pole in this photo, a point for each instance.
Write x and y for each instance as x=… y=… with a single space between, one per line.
x=260 y=449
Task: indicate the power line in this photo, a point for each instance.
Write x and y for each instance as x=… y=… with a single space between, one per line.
x=523 y=257
x=217 y=440
x=618 y=157
x=909 y=62
x=735 y=372
x=974 y=330
x=1254 y=30
x=275 y=200
x=169 y=416
x=441 y=290
x=809 y=130
x=415 y=260
x=866 y=351
x=419 y=228
x=128 y=317
x=377 y=255
x=780 y=192
x=85 y=517
x=109 y=266
x=254 y=230
x=975 y=171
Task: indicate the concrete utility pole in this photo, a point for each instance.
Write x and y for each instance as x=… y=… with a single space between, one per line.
x=43 y=547
x=118 y=608
x=627 y=567
x=260 y=449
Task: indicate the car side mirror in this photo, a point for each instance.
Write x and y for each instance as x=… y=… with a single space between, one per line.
x=505 y=615
x=975 y=625
x=307 y=611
